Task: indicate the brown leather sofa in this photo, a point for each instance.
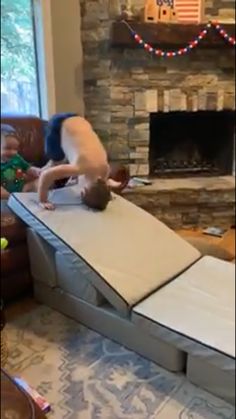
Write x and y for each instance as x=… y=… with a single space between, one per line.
x=15 y=272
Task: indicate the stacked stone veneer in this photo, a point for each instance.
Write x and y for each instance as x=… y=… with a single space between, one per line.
x=122 y=86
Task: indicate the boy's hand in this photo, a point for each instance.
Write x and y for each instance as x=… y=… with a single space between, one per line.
x=34 y=172
x=47 y=205
x=37 y=171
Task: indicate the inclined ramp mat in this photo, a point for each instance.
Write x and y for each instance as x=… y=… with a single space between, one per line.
x=130 y=252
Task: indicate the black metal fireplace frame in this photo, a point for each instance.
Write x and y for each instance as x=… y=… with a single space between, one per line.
x=208 y=129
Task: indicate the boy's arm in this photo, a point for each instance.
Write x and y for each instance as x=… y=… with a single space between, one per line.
x=49 y=176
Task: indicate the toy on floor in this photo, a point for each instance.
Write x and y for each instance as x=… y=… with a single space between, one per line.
x=39 y=400
x=75 y=150
x=214 y=231
x=4 y=243
x=17 y=175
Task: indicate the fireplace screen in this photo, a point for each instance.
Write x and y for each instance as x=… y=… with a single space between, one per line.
x=191 y=143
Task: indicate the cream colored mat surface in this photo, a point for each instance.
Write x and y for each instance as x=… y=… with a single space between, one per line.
x=132 y=251
x=199 y=304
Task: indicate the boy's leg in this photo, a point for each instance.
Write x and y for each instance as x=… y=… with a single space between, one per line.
x=53 y=147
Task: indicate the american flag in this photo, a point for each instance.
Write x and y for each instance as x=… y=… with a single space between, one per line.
x=188 y=11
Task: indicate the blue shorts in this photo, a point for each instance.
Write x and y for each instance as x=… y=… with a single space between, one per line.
x=53 y=147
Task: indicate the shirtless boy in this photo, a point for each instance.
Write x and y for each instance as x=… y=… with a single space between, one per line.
x=71 y=139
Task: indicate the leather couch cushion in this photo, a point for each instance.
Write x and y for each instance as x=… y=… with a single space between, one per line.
x=15 y=284
x=15 y=275
x=12 y=228
x=30 y=131
x=14 y=259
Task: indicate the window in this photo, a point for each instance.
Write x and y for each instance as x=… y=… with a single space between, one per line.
x=19 y=79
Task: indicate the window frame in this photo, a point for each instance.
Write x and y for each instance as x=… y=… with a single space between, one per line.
x=42 y=23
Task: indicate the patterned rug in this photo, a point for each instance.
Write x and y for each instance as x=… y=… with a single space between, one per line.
x=85 y=376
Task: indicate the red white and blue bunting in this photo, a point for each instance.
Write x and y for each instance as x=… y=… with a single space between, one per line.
x=189 y=47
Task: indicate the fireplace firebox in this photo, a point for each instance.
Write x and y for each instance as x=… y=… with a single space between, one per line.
x=191 y=143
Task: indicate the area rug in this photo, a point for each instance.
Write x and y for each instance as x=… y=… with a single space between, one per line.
x=85 y=376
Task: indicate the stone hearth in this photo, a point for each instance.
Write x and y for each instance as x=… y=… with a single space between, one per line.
x=188 y=203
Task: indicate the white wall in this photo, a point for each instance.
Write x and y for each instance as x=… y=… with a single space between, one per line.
x=60 y=56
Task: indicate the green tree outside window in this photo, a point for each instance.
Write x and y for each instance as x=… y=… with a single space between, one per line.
x=19 y=90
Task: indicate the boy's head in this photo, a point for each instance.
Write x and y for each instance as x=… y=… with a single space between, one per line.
x=9 y=142
x=97 y=196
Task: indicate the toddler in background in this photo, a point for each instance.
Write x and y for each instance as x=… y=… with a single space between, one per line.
x=17 y=175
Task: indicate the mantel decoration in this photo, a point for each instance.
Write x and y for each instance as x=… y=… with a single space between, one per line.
x=189 y=47
x=172 y=11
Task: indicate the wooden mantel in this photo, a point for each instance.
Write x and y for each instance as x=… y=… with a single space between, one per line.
x=167 y=34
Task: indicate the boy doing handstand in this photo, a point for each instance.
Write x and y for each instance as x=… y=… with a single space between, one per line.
x=76 y=151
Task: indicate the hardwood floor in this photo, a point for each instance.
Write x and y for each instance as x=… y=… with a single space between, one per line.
x=226 y=242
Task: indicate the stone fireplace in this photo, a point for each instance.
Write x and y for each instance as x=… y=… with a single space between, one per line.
x=126 y=91
x=124 y=86
x=191 y=143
